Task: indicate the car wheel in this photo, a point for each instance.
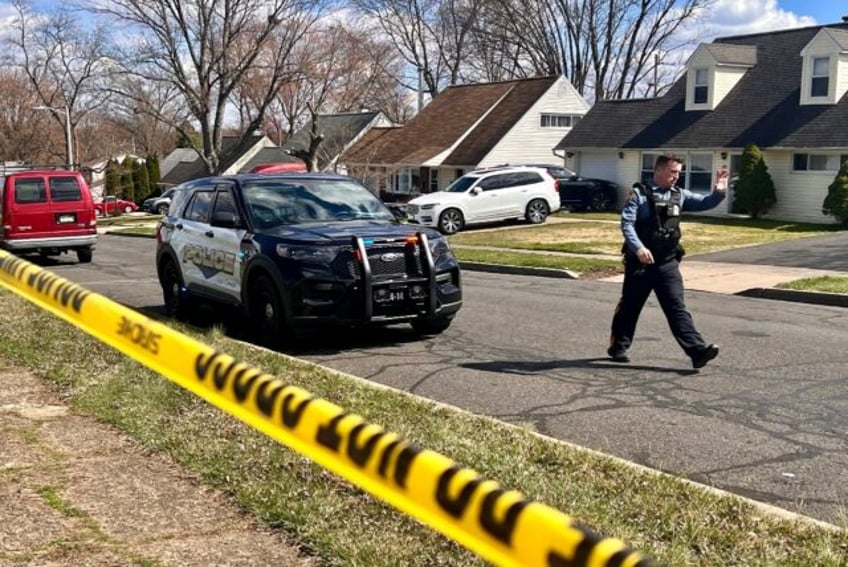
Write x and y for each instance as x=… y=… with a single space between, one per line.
x=98 y=213
x=128 y=209
x=84 y=255
x=600 y=202
x=431 y=326
x=537 y=211
x=173 y=292
x=266 y=313
x=162 y=209
x=451 y=221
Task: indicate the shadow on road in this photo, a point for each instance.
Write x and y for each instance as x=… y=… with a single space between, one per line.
x=526 y=367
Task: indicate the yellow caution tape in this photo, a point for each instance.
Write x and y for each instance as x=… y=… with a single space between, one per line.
x=501 y=526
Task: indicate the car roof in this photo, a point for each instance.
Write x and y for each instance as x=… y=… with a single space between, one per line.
x=502 y=168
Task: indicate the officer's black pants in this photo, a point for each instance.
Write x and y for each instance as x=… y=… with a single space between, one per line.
x=665 y=281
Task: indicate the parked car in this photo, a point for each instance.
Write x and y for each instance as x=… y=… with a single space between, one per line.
x=298 y=249
x=486 y=195
x=49 y=213
x=158 y=204
x=581 y=193
x=112 y=206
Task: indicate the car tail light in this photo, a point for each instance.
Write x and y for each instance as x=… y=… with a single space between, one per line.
x=556 y=185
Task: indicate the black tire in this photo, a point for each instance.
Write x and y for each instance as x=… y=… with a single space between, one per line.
x=600 y=201
x=176 y=303
x=537 y=211
x=431 y=326
x=451 y=221
x=84 y=255
x=267 y=315
x=163 y=208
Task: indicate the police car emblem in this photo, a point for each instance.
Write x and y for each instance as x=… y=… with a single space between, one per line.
x=391 y=257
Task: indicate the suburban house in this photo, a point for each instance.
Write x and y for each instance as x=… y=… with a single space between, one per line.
x=184 y=164
x=784 y=91
x=339 y=133
x=466 y=127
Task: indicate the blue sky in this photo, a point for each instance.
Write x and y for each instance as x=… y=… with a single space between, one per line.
x=824 y=12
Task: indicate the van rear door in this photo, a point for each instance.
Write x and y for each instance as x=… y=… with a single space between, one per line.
x=49 y=206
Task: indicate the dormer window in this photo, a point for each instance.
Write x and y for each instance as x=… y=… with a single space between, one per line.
x=824 y=74
x=712 y=72
x=820 y=77
x=702 y=88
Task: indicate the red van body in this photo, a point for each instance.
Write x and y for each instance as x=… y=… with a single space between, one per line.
x=48 y=213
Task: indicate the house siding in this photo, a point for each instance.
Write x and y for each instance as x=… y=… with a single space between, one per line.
x=527 y=141
x=823 y=46
x=725 y=79
x=606 y=164
x=799 y=194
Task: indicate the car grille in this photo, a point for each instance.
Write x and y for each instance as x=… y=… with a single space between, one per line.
x=412 y=209
x=386 y=261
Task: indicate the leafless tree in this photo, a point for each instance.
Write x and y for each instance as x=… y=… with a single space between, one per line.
x=205 y=49
x=62 y=60
x=432 y=36
x=606 y=48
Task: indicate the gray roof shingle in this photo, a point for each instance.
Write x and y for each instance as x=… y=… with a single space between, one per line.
x=762 y=108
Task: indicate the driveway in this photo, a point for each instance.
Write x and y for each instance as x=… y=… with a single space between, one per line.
x=826 y=252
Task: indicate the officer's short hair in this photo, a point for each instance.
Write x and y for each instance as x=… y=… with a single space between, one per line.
x=664 y=159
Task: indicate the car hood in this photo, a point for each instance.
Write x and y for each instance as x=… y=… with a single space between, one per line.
x=342 y=232
x=438 y=197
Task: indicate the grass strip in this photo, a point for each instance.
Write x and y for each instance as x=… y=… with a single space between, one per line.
x=829 y=284
x=585 y=266
x=667 y=518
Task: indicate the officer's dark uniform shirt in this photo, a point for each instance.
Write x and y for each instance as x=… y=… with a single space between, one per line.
x=637 y=209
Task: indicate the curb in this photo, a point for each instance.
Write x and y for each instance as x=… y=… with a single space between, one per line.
x=814 y=297
x=519 y=270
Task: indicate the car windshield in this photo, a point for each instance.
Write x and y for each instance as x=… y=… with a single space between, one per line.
x=462 y=184
x=295 y=201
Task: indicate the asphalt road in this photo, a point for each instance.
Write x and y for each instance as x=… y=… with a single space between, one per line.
x=817 y=252
x=768 y=419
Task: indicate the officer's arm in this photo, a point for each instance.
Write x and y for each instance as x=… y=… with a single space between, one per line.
x=700 y=202
x=628 y=222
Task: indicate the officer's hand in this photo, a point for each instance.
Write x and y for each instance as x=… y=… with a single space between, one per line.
x=645 y=256
x=722 y=177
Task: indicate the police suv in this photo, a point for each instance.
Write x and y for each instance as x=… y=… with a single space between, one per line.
x=296 y=249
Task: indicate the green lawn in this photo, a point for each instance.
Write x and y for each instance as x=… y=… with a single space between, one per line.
x=673 y=521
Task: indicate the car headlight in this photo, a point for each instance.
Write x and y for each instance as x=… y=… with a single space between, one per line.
x=429 y=206
x=324 y=254
x=439 y=247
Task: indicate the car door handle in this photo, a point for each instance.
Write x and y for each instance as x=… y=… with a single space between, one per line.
x=210 y=234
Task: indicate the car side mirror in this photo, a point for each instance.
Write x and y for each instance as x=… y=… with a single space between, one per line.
x=476 y=191
x=224 y=219
x=574 y=178
x=398 y=210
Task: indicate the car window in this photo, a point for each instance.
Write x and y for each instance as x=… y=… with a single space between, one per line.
x=495 y=182
x=198 y=206
x=524 y=178
x=30 y=191
x=462 y=184
x=283 y=202
x=65 y=189
x=225 y=204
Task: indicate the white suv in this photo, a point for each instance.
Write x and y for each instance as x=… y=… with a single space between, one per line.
x=486 y=195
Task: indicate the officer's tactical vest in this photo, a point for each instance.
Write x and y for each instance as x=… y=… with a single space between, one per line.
x=660 y=232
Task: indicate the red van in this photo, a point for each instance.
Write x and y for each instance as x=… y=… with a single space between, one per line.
x=48 y=213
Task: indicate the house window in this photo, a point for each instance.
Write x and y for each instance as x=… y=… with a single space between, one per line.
x=701 y=94
x=559 y=120
x=434 y=180
x=818 y=162
x=820 y=76
x=647 y=173
x=405 y=180
x=699 y=172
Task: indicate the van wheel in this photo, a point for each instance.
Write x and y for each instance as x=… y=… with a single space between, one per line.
x=537 y=211
x=266 y=313
x=176 y=303
x=451 y=221
x=84 y=255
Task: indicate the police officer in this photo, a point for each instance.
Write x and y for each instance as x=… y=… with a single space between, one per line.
x=650 y=221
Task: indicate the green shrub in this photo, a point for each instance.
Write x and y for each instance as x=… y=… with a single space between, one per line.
x=754 y=193
x=836 y=201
